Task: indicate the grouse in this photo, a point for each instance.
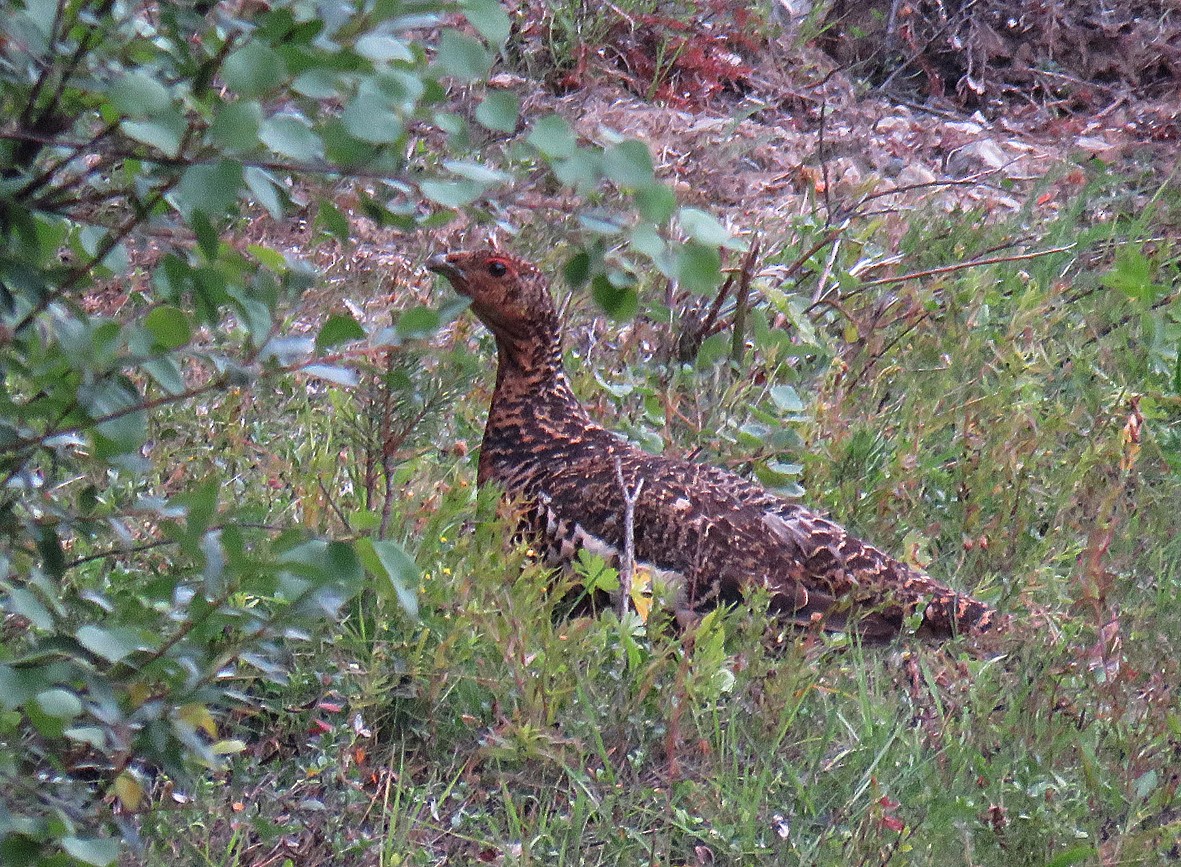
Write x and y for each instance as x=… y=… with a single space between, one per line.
x=710 y=534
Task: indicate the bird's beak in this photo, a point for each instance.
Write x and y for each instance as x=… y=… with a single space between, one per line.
x=441 y=263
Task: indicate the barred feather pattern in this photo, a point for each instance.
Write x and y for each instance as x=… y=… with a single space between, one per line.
x=716 y=535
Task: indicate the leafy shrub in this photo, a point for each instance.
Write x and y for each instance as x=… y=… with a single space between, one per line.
x=138 y=140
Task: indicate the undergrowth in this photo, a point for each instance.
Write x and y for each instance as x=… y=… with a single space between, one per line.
x=1015 y=427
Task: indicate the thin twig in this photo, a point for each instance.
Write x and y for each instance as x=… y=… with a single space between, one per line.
x=742 y=301
x=627 y=565
x=961 y=266
x=185 y=162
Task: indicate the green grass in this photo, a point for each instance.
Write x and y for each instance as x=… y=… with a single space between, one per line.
x=980 y=416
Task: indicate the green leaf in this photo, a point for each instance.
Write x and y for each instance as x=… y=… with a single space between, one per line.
x=112 y=644
x=451 y=194
x=1069 y=857
x=235 y=126
x=92 y=850
x=265 y=189
x=163 y=132
x=655 y=202
x=1132 y=275
x=169 y=326
x=209 y=188
x=713 y=349
x=291 y=135
x=268 y=257
x=336 y=223
x=499 y=111
x=553 y=137
x=462 y=57
x=786 y=399
x=628 y=164
x=418 y=322
x=477 y=172
x=382 y=48
x=619 y=302
x=577 y=269
x=118 y=397
x=340 y=328
x=699 y=269
x=91 y=735
x=166 y=373
x=138 y=94
x=254 y=69
x=489 y=19
x=369 y=118
x=59 y=703
x=704 y=229
x=23 y=601
x=401 y=571
x=331 y=373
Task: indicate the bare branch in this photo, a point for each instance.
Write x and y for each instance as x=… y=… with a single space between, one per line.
x=627 y=563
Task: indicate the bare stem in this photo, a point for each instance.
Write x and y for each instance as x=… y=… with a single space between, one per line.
x=627 y=564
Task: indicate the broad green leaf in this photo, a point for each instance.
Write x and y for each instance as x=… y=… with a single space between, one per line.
x=254 y=69
x=489 y=19
x=619 y=302
x=340 y=328
x=265 y=189
x=418 y=322
x=499 y=111
x=704 y=229
x=330 y=373
x=577 y=269
x=786 y=399
x=713 y=349
x=138 y=94
x=272 y=259
x=115 y=405
x=462 y=57
x=23 y=601
x=476 y=172
x=112 y=644
x=451 y=194
x=337 y=224
x=382 y=48
x=59 y=703
x=166 y=373
x=236 y=125
x=164 y=132
x=553 y=137
x=655 y=202
x=91 y=735
x=169 y=326
x=370 y=118
x=211 y=188
x=401 y=572
x=646 y=240
x=291 y=136
x=91 y=850
x=628 y=164
x=699 y=269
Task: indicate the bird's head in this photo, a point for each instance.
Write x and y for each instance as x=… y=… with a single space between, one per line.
x=508 y=294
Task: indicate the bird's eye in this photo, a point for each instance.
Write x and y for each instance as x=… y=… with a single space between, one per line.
x=497 y=269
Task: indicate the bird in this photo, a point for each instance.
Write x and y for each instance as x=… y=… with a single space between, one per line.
x=711 y=535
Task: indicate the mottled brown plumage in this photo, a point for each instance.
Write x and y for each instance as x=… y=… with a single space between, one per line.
x=713 y=533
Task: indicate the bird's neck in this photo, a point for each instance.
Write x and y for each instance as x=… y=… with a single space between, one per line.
x=533 y=409
x=530 y=376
